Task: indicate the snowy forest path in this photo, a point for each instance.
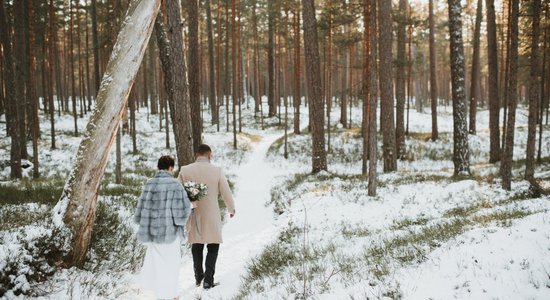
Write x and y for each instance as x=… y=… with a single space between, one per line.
x=248 y=232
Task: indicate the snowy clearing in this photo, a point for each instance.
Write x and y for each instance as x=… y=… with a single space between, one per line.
x=295 y=235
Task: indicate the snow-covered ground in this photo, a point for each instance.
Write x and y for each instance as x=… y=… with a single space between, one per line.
x=425 y=235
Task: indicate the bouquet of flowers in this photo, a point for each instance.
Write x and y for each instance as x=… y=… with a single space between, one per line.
x=195 y=191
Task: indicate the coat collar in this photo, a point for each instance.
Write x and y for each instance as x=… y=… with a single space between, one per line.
x=202 y=159
x=163 y=173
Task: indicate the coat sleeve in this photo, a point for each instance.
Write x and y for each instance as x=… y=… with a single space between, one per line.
x=181 y=207
x=139 y=208
x=181 y=176
x=226 y=193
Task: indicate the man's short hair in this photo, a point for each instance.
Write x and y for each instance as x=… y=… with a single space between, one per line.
x=204 y=149
x=165 y=162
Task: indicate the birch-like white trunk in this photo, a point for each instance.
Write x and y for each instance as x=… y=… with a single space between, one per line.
x=77 y=206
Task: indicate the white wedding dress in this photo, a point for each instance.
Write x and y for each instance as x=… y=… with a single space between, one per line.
x=160 y=271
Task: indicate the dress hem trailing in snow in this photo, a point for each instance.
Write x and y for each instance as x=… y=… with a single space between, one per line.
x=160 y=271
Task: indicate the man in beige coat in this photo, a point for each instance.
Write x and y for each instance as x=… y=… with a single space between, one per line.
x=204 y=225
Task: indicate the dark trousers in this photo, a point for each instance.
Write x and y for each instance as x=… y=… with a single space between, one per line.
x=210 y=264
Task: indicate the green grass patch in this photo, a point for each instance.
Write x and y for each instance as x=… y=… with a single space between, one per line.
x=405 y=223
x=41 y=191
x=113 y=243
x=14 y=216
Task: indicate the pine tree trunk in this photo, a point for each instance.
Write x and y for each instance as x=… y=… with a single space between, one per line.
x=154 y=81
x=296 y=98
x=11 y=94
x=373 y=99
x=328 y=84
x=218 y=69
x=271 y=101
x=285 y=80
x=433 y=73
x=77 y=205
x=475 y=92
x=133 y=133
x=315 y=90
x=87 y=64
x=170 y=43
x=19 y=50
x=194 y=72
x=95 y=39
x=118 y=153
x=543 y=88
x=256 y=86
x=400 y=80
x=512 y=96
x=386 y=86
x=494 y=101
x=367 y=66
x=409 y=75
x=506 y=81
x=81 y=85
x=461 y=153
x=211 y=75
x=234 y=68
x=228 y=86
x=240 y=88
x=534 y=89
x=31 y=89
x=52 y=62
x=2 y=92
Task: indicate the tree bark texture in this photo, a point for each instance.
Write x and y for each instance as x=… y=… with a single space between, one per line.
x=194 y=72
x=211 y=76
x=494 y=101
x=315 y=89
x=373 y=99
x=461 y=153
x=433 y=72
x=512 y=96
x=170 y=44
x=386 y=86
x=534 y=89
x=11 y=95
x=475 y=91
x=271 y=101
x=20 y=67
x=400 y=79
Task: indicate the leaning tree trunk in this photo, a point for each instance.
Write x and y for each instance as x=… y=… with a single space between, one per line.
x=494 y=105
x=461 y=153
x=77 y=205
x=534 y=96
x=386 y=86
x=315 y=90
x=511 y=91
x=433 y=73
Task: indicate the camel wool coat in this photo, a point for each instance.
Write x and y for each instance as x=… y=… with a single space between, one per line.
x=205 y=225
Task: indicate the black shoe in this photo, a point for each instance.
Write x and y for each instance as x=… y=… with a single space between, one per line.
x=208 y=286
x=198 y=281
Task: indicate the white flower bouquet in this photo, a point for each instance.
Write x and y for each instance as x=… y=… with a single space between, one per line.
x=195 y=191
